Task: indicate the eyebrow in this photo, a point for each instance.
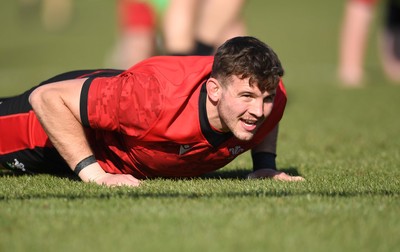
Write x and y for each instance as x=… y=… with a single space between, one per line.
x=272 y=92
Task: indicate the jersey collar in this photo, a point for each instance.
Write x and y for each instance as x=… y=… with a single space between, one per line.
x=213 y=137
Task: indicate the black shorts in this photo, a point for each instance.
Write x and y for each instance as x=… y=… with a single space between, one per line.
x=37 y=159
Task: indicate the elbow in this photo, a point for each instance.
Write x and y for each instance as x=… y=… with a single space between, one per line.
x=41 y=97
x=34 y=98
x=52 y=100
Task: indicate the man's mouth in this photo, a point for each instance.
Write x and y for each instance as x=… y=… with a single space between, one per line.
x=249 y=125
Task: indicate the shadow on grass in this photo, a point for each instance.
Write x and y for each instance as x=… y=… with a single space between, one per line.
x=132 y=193
x=219 y=174
x=274 y=189
x=242 y=173
x=17 y=173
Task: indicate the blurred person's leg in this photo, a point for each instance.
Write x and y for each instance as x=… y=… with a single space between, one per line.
x=389 y=41
x=353 y=40
x=199 y=26
x=56 y=14
x=178 y=26
x=218 y=20
x=136 y=34
x=237 y=28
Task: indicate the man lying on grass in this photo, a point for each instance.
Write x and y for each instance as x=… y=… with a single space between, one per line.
x=167 y=116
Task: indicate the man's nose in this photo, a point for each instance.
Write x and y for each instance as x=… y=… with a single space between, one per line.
x=257 y=109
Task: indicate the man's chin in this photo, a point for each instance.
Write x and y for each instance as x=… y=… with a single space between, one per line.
x=244 y=136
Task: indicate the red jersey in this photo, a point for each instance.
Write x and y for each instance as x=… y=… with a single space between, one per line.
x=151 y=120
x=367 y=2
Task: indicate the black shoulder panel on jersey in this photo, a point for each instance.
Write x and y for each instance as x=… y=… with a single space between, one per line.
x=84 y=102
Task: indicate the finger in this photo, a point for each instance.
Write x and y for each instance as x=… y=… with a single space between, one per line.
x=128 y=181
x=274 y=174
x=286 y=177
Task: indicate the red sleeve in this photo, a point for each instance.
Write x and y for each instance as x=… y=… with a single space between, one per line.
x=276 y=113
x=128 y=103
x=132 y=102
x=368 y=2
x=279 y=105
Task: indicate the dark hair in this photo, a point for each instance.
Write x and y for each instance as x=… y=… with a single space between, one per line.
x=247 y=57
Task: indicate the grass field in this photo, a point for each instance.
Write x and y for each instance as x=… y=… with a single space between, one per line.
x=344 y=142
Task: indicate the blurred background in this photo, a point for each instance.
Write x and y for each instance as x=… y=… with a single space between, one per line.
x=323 y=116
x=344 y=140
x=304 y=34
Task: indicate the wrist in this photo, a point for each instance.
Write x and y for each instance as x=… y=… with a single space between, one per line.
x=91 y=173
x=84 y=163
x=263 y=160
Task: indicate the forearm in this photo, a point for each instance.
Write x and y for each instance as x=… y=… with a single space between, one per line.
x=264 y=154
x=57 y=109
x=269 y=143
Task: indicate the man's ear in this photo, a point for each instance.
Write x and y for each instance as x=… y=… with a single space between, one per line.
x=213 y=89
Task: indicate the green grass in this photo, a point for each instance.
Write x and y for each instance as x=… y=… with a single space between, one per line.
x=344 y=142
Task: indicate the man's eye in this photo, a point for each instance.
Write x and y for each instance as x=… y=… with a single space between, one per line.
x=269 y=98
x=246 y=95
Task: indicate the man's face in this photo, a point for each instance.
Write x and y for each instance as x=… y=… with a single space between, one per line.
x=243 y=108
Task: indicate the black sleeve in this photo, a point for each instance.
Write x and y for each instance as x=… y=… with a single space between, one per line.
x=84 y=102
x=263 y=160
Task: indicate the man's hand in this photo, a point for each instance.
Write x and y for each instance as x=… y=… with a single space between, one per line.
x=94 y=173
x=274 y=174
x=112 y=180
